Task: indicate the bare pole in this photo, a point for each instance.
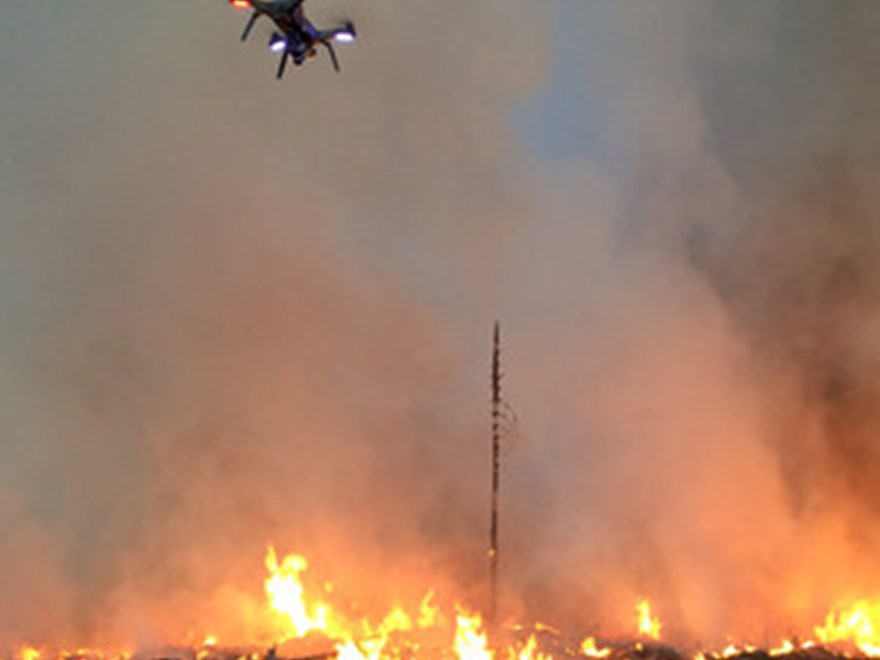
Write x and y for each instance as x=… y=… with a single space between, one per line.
x=496 y=472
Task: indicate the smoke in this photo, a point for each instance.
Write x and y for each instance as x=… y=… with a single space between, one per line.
x=223 y=324
x=710 y=332
x=237 y=312
x=811 y=304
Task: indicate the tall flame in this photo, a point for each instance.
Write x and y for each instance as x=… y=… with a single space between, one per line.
x=470 y=640
x=649 y=626
x=859 y=624
x=286 y=595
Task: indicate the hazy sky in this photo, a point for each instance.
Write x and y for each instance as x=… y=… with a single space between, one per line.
x=235 y=310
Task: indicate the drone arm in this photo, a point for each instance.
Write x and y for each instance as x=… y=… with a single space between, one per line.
x=346 y=30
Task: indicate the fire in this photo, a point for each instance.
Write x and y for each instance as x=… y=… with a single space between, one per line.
x=785 y=648
x=397 y=620
x=529 y=651
x=470 y=640
x=860 y=625
x=367 y=650
x=295 y=611
x=350 y=651
x=298 y=613
x=732 y=650
x=648 y=626
x=429 y=613
x=589 y=649
x=286 y=595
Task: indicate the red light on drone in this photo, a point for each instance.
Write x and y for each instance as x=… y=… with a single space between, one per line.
x=240 y=4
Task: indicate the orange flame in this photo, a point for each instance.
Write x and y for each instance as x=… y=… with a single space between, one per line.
x=293 y=612
x=529 y=651
x=470 y=640
x=286 y=595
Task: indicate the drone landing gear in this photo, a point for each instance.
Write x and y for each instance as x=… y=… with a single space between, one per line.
x=282 y=64
x=250 y=24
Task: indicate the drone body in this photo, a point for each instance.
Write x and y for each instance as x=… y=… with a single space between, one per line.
x=297 y=38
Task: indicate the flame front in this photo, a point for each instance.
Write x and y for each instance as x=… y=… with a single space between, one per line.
x=308 y=620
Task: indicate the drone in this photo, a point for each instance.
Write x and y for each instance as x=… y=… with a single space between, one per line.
x=296 y=38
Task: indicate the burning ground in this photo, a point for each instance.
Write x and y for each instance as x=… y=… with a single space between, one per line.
x=301 y=621
x=236 y=313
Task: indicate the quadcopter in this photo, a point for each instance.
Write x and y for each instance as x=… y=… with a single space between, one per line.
x=297 y=38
